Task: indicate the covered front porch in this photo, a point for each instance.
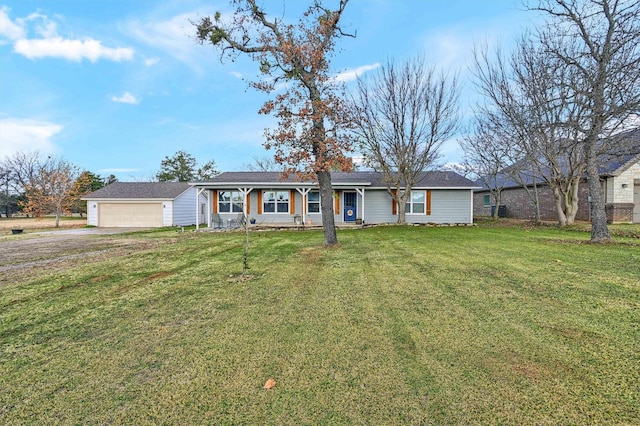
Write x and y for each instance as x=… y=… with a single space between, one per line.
x=276 y=206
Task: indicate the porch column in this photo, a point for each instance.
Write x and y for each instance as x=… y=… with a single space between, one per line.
x=304 y=192
x=208 y=195
x=199 y=191
x=361 y=192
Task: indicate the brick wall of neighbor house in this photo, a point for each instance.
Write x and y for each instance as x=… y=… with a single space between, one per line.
x=620 y=212
x=519 y=205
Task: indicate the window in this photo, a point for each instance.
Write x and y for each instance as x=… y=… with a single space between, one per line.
x=416 y=203
x=275 y=202
x=313 y=202
x=230 y=202
x=487 y=200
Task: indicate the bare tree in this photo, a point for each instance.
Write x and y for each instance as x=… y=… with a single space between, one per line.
x=21 y=168
x=527 y=96
x=311 y=113
x=50 y=190
x=8 y=199
x=598 y=41
x=488 y=154
x=263 y=164
x=403 y=116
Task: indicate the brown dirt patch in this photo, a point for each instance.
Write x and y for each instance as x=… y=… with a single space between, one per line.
x=28 y=257
x=6 y=225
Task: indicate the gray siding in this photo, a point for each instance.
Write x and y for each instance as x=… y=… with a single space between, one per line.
x=447 y=206
x=450 y=206
x=184 y=208
x=378 y=207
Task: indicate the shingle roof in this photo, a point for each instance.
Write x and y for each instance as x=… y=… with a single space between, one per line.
x=432 y=179
x=626 y=147
x=140 y=190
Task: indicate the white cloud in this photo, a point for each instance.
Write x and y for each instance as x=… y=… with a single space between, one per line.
x=8 y=29
x=149 y=62
x=73 y=50
x=126 y=98
x=44 y=26
x=173 y=36
x=237 y=75
x=27 y=135
x=49 y=44
x=354 y=73
x=450 y=50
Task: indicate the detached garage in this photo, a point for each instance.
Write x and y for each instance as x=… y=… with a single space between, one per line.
x=143 y=205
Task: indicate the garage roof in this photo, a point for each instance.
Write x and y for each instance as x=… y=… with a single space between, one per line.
x=139 y=190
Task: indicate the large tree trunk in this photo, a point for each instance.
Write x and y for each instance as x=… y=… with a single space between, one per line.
x=599 y=228
x=557 y=196
x=326 y=208
x=571 y=201
x=401 y=203
x=497 y=197
x=536 y=203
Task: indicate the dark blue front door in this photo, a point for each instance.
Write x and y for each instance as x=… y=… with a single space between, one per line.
x=350 y=206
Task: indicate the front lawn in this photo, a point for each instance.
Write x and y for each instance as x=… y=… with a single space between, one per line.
x=398 y=325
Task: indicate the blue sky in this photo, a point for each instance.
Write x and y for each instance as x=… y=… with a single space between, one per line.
x=114 y=86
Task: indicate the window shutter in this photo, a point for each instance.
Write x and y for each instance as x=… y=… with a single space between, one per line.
x=259 y=202
x=215 y=201
x=248 y=201
x=394 y=205
x=292 y=201
x=337 y=202
x=428 y=209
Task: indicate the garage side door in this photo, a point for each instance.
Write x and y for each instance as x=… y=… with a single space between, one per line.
x=130 y=215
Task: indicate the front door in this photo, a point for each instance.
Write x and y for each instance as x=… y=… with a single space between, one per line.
x=350 y=206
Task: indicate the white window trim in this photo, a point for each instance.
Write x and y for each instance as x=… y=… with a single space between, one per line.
x=314 y=202
x=410 y=203
x=275 y=207
x=231 y=201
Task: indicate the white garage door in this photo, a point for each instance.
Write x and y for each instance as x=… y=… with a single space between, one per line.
x=130 y=215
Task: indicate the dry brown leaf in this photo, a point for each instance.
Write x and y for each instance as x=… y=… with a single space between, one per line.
x=269 y=384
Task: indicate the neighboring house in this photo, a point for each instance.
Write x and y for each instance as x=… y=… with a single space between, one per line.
x=438 y=197
x=620 y=177
x=143 y=204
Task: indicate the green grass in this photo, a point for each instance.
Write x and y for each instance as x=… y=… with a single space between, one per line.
x=412 y=325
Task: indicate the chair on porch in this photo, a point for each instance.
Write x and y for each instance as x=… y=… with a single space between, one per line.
x=216 y=221
x=238 y=221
